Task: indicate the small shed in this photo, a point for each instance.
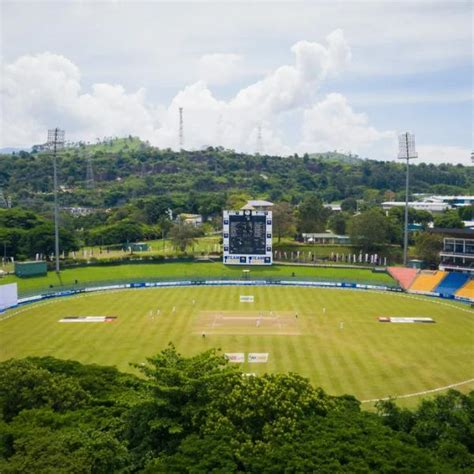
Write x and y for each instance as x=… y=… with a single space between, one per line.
x=30 y=269
x=139 y=247
x=326 y=238
x=418 y=264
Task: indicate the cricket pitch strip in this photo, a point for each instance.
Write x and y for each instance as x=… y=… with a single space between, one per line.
x=247 y=322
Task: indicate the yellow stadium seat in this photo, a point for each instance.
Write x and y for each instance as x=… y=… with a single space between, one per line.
x=467 y=291
x=427 y=281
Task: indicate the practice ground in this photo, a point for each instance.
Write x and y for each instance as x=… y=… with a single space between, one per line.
x=300 y=329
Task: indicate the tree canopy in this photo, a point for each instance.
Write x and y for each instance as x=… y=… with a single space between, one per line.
x=200 y=414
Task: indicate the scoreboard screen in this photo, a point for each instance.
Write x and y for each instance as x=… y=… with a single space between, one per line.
x=247 y=237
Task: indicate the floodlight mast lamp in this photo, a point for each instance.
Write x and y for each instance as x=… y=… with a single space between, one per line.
x=55 y=143
x=406 y=151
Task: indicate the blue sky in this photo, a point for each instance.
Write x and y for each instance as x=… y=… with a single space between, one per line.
x=314 y=76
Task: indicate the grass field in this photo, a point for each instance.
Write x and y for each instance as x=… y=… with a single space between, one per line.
x=192 y=270
x=202 y=245
x=366 y=358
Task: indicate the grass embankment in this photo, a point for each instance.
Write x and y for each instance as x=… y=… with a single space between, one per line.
x=165 y=248
x=192 y=270
x=211 y=244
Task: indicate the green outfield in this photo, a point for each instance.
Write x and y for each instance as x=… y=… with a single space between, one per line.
x=84 y=275
x=299 y=328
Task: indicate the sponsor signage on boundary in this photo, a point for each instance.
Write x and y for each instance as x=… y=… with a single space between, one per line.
x=35 y=298
x=88 y=319
x=246 y=299
x=390 y=319
x=464 y=299
x=426 y=293
x=238 y=357
x=257 y=357
x=8 y=296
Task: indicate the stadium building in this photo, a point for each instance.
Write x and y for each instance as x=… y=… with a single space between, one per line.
x=458 y=250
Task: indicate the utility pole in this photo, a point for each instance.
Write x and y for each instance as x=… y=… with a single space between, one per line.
x=406 y=151
x=55 y=143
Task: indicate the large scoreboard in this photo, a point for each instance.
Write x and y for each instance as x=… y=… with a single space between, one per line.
x=247 y=237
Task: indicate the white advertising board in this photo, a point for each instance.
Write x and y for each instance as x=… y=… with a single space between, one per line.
x=238 y=357
x=257 y=357
x=8 y=296
x=246 y=299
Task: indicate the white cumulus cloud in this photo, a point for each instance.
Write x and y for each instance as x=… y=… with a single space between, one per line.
x=333 y=124
x=444 y=154
x=234 y=123
x=45 y=90
x=220 y=68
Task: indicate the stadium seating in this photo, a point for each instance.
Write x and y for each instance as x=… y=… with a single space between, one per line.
x=467 y=291
x=453 y=282
x=404 y=276
x=427 y=281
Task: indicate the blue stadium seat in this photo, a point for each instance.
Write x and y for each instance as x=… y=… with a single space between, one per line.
x=451 y=283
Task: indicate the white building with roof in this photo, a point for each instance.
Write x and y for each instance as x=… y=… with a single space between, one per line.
x=436 y=206
x=258 y=205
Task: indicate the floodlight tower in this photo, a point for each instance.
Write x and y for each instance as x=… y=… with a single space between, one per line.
x=55 y=143
x=181 y=128
x=406 y=151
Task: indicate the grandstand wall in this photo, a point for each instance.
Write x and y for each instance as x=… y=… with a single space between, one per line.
x=451 y=283
x=427 y=281
x=467 y=291
x=404 y=276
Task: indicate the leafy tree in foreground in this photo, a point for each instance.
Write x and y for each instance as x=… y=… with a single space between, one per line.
x=444 y=425
x=200 y=414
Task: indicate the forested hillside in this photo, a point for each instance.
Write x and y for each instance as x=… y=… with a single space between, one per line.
x=200 y=181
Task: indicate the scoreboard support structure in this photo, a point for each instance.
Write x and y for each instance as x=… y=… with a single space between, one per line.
x=247 y=237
